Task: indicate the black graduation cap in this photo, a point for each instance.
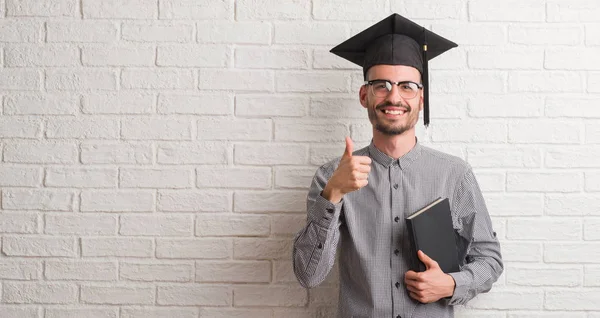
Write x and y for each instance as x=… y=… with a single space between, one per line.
x=396 y=40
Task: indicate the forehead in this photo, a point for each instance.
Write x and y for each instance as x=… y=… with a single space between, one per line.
x=394 y=73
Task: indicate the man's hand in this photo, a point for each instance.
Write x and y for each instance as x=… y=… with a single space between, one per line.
x=351 y=175
x=432 y=284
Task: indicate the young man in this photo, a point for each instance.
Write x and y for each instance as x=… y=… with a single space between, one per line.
x=359 y=202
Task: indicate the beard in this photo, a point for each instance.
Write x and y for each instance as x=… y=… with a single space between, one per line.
x=392 y=129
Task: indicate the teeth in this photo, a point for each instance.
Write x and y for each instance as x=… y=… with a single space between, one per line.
x=394 y=112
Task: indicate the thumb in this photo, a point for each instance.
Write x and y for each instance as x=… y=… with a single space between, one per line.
x=429 y=263
x=349 y=147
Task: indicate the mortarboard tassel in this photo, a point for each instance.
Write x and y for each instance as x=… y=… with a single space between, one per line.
x=425 y=76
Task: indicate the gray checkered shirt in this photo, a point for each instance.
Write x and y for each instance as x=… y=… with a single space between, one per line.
x=368 y=227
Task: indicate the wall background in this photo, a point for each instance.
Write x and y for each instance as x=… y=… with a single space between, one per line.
x=155 y=154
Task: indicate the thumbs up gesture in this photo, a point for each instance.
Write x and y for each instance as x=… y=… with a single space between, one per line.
x=351 y=174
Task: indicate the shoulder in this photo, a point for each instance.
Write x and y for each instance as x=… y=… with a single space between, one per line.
x=445 y=161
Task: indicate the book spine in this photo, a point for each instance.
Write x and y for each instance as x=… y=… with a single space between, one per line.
x=414 y=245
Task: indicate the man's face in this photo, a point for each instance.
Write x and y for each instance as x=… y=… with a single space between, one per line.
x=392 y=114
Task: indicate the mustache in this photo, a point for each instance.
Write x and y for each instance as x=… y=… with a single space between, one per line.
x=400 y=105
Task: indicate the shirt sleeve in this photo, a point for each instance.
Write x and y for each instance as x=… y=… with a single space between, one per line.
x=315 y=245
x=481 y=251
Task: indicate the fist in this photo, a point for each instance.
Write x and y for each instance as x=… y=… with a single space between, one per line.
x=351 y=174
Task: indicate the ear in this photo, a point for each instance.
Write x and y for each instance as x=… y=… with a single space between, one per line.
x=421 y=101
x=362 y=95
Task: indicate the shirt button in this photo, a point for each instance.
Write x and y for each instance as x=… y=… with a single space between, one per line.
x=320 y=246
x=396 y=186
x=398 y=316
x=396 y=219
x=330 y=210
x=397 y=285
x=396 y=252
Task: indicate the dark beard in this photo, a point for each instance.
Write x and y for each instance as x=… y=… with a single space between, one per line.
x=386 y=130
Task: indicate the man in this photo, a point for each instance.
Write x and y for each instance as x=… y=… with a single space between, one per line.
x=359 y=202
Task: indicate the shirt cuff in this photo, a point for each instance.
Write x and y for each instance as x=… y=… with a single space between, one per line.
x=324 y=212
x=461 y=287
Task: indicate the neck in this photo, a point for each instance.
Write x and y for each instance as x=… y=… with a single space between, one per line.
x=394 y=146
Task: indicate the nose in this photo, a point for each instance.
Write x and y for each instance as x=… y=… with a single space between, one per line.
x=394 y=96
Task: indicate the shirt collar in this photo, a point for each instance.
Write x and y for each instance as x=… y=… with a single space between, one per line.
x=387 y=161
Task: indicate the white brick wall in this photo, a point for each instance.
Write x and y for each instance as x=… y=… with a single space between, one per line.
x=155 y=154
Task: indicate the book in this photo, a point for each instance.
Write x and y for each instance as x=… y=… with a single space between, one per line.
x=430 y=230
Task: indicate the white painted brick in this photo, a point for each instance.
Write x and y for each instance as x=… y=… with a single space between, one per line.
x=262 y=248
x=269 y=58
x=361 y=133
x=41 y=104
x=544 y=181
x=117 y=247
x=430 y=9
x=83 y=127
x=20 y=31
x=530 y=11
x=114 y=9
x=547 y=314
x=291 y=312
x=207 y=312
x=545 y=34
x=592 y=181
x=546 y=229
x=157 y=128
x=154 y=312
x=320 y=33
x=309 y=130
x=11 y=127
x=270 y=154
x=260 y=295
x=157 y=79
x=592 y=34
x=502 y=299
x=151 y=225
x=234 y=129
x=293 y=177
x=118 y=153
x=39 y=293
x=555 y=252
x=236 y=32
x=117 y=103
x=82 y=312
x=77 y=80
x=467 y=82
x=327 y=60
x=113 y=55
x=491 y=181
x=38 y=246
x=464 y=312
x=20 y=270
x=575 y=11
x=80 y=270
x=283 y=272
x=552 y=131
x=270 y=105
x=193 y=201
x=337 y=107
x=117 y=295
x=19 y=312
x=591 y=230
x=572 y=59
x=41 y=55
x=45 y=200
x=231 y=177
x=19 y=79
x=471 y=131
x=205 y=104
x=211 y=224
x=195 y=295
x=311 y=82
x=192 y=153
x=573 y=157
x=238 y=80
x=545 y=82
x=197 y=55
x=32 y=8
x=472 y=33
x=572 y=299
x=320 y=155
x=493 y=58
x=155 y=178
x=578 y=107
x=271 y=201
x=157 y=31
x=203 y=248
x=117 y=201
x=591 y=276
x=515 y=204
x=455 y=59
x=81 y=31
x=515 y=251
x=164 y=272
x=272 y=10
x=40 y=152
x=324 y=295
x=497 y=157
x=572 y=204
x=349 y=10
x=593 y=83
x=454 y=150
x=18 y=223
x=80 y=224
x=287 y=224
x=233 y=271
x=196 y=9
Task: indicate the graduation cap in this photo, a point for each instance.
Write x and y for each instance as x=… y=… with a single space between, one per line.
x=396 y=40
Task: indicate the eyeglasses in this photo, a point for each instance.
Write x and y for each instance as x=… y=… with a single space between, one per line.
x=382 y=88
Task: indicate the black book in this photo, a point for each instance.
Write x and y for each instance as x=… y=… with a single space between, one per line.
x=430 y=230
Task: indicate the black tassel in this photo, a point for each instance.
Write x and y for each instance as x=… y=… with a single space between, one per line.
x=425 y=76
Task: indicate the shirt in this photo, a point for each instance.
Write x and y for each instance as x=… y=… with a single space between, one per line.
x=369 y=228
